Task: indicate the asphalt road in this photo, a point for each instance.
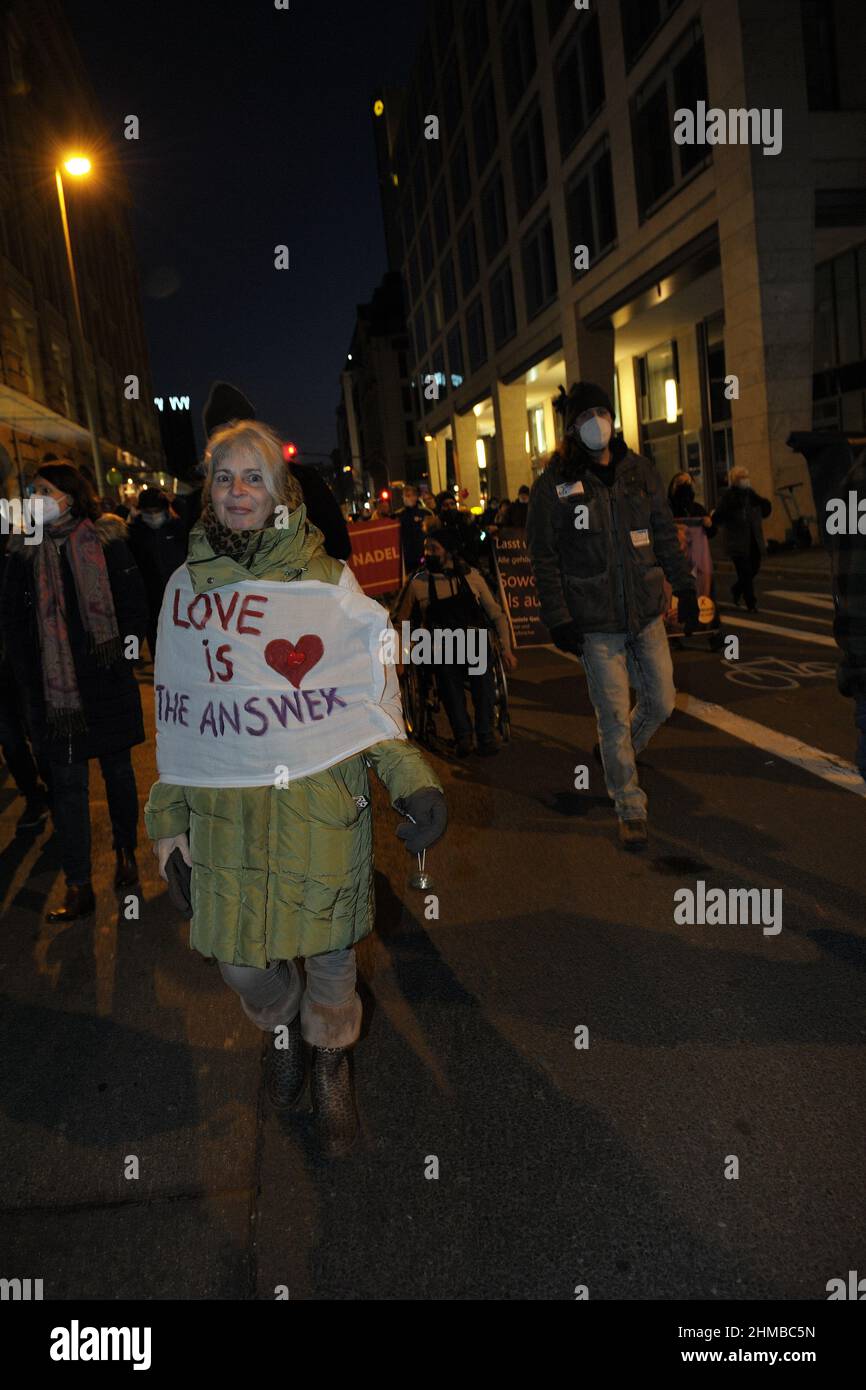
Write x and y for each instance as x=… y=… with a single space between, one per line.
x=558 y=1166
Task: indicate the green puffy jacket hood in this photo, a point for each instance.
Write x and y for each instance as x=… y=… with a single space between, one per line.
x=283 y=552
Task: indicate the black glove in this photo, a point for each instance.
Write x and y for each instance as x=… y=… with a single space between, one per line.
x=568 y=637
x=688 y=612
x=428 y=809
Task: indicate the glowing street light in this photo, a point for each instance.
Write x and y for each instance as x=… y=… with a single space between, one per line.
x=78 y=166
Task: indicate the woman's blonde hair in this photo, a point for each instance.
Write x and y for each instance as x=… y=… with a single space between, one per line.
x=262 y=444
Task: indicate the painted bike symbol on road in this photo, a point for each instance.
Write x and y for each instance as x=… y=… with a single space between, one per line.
x=772 y=673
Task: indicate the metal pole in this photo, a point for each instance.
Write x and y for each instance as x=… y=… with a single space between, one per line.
x=85 y=387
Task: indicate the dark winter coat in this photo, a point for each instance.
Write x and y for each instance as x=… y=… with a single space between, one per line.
x=835 y=472
x=739 y=515
x=411 y=521
x=109 y=696
x=608 y=577
x=158 y=552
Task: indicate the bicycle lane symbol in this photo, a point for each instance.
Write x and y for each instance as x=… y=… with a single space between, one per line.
x=773 y=673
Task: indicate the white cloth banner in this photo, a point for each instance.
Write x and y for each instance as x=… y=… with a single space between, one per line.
x=260 y=683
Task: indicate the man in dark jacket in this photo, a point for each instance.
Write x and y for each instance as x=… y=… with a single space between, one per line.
x=601 y=541
x=739 y=516
x=157 y=539
x=519 y=510
x=411 y=518
x=225 y=403
x=839 y=489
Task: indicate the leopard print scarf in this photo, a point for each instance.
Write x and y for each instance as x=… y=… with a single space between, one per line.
x=240 y=546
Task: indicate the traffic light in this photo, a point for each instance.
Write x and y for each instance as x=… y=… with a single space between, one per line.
x=289 y=452
x=384 y=495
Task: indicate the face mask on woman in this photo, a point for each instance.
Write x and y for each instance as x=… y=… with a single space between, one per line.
x=595 y=433
x=154 y=519
x=743 y=483
x=685 y=493
x=433 y=563
x=50 y=510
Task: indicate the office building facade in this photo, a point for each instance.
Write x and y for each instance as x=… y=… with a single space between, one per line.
x=667 y=197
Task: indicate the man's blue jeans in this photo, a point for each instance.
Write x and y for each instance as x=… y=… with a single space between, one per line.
x=615 y=662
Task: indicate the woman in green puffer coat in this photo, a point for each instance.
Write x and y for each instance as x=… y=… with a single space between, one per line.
x=286 y=869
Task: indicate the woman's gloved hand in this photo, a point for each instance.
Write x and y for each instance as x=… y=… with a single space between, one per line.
x=428 y=810
x=163 y=848
x=568 y=637
x=688 y=611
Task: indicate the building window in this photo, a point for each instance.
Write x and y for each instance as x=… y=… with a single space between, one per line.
x=659 y=367
x=62 y=377
x=641 y=20
x=425 y=243
x=455 y=356
x=461 y=186
x=414 y=277
x=502 y=305
x=475 y=36
x=475 y=335
x=819 y=43
x=444 y=21
x=439 y=371
x=441 y=221
x=529 y=160
x=434 y=310
x=426 y=74
x=452 y=100
x=434 y=158
x=410 y=434
x=484 y=122
x=468 y=254
x=406 y=397
x=518 y=54
x=449 y=286
x=419 y=188
x=420 y=333
x=493 y=215
x=539 y=267
x=408 y=220
x=679 y=83
x=590 y=207
x=579 y=83
x=556 y=12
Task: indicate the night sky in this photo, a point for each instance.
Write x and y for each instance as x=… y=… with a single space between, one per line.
x=255 y=130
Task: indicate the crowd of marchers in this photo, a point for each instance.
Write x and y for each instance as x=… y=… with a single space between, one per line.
x=270 y=874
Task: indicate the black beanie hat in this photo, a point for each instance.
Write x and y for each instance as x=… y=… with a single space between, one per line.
x=584 y=395
x=225 y=403
x=151 y=499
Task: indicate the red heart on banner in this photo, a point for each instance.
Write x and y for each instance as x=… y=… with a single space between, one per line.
x=294 y=659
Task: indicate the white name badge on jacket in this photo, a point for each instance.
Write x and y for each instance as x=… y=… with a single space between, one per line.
x=640 y=537
x=564 y=490
x=261 y=676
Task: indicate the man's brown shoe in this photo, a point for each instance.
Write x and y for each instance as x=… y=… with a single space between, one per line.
x=633 y=834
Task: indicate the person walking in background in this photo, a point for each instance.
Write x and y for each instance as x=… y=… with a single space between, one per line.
x=740 y=516
x=14 y=744
x=683 y=504
x=284 y=869
x=411 y=517
x=519 y=510
x=601 y=540
x=449 y=595
x=66 y=608
x=158 y=541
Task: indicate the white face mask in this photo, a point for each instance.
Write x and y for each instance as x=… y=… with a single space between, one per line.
x=154 y=519
x=50 y=510
x=743 y=482
x=595 y=433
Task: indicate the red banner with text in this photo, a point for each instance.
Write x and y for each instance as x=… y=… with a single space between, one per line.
x=376 y=558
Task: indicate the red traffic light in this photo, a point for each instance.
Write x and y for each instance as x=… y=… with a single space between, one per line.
x=289 y=451
x=384 y=495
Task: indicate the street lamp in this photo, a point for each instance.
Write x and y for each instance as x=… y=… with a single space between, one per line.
x=79 y=166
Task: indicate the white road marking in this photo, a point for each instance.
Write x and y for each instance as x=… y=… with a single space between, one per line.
x=826 y=765
x=780 y=613
x=818 y=639
x=798 y=596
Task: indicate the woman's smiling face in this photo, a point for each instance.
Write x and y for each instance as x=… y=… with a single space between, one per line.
x=239 y=495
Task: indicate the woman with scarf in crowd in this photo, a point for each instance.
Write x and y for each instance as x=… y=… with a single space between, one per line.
x=270 y=807
x=68 y=606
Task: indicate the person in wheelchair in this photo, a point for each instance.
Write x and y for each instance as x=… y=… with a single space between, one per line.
x=447 y=595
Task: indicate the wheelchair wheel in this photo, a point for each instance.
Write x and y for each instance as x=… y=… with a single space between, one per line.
x=414 y=701
x=501 y=716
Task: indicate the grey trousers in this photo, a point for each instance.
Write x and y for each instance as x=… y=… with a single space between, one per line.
x=330 y=1008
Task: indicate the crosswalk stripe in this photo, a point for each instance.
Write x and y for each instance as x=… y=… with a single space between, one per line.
x=782 y=613
x=826 y=765
x=796 y=634
x=798 y=596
